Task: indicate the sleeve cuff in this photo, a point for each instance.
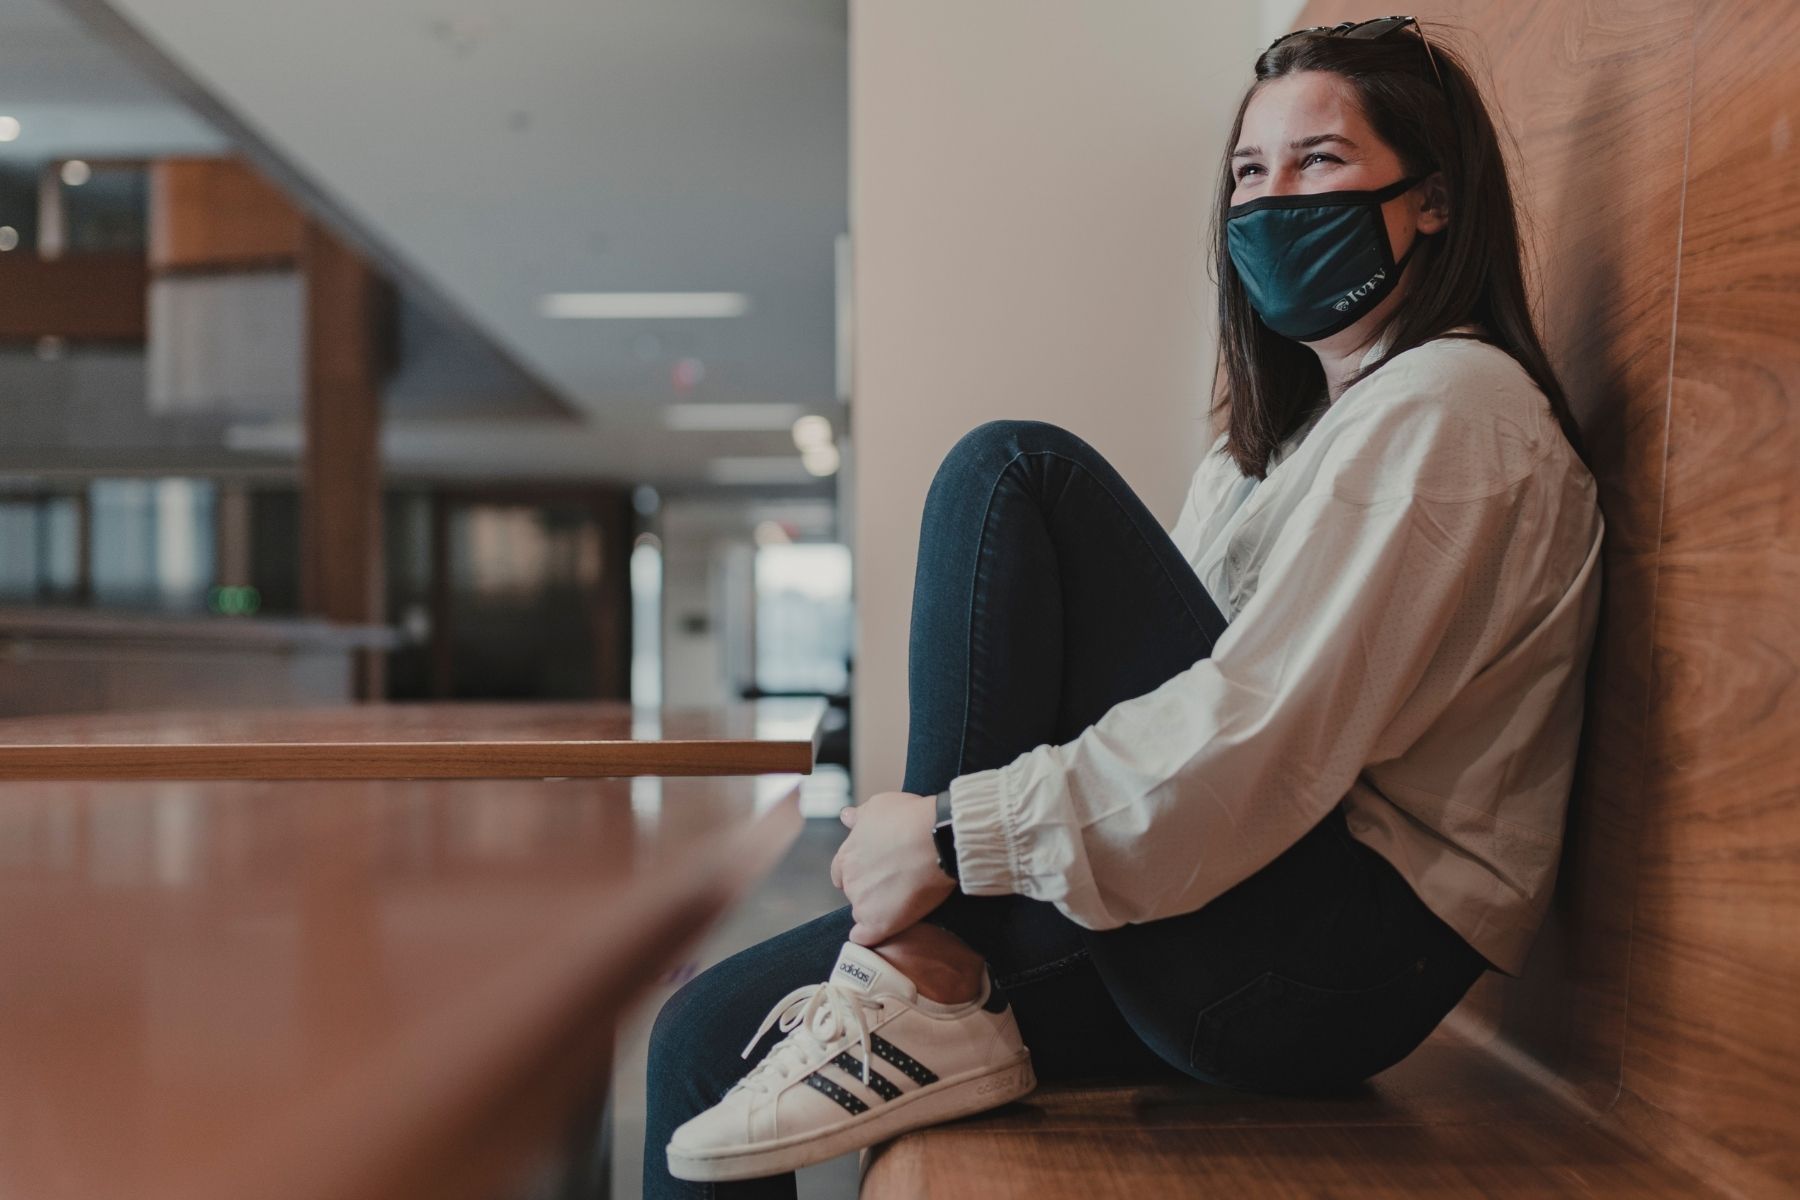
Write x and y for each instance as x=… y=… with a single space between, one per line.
x=985 y=860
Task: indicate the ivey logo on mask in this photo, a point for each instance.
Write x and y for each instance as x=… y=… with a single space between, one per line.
x=1357 y=293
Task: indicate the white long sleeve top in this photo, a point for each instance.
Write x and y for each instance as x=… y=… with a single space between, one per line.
x=1412 y=593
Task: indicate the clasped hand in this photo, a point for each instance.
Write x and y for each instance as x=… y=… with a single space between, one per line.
x=887 y=866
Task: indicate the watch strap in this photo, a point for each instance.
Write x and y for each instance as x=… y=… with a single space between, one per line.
x=943 y=836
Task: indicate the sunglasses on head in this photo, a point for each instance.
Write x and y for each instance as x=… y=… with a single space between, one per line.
x=1374 y=27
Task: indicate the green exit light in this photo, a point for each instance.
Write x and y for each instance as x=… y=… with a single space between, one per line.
x=234 y=601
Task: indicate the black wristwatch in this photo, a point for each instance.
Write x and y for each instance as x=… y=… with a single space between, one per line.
x=944 y=836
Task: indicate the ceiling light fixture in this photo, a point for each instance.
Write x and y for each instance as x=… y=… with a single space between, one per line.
x=10 y=129
x=75 y=172
x=639 y=306
x=812 y=430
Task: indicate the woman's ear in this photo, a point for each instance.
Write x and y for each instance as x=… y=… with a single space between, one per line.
x=1434 y=204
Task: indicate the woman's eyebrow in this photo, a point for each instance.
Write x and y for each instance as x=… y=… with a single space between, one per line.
x=1297 y=144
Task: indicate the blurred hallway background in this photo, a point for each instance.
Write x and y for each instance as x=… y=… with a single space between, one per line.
x=408 y=350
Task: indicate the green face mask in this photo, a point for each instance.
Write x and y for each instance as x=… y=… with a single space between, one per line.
x=1314 y=264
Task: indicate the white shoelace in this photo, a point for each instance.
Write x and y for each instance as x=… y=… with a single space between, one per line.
x=813 y=1017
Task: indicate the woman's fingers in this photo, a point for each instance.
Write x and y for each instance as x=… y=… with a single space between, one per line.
x=847 y=815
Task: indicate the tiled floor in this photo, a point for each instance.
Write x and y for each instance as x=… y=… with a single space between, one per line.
x=798 y=890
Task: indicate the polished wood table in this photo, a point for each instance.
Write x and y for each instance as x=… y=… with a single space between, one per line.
x=338 y=990
x=355 y=952
x=522 y=740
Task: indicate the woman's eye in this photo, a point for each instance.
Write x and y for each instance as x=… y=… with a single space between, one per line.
x=1245 y=170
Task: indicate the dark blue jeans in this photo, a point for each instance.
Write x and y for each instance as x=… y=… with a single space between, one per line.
x=1046 y=593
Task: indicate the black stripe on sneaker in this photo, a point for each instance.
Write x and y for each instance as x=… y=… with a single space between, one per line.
x=843 y=1097
x=911 y=1067
x=878 y=1083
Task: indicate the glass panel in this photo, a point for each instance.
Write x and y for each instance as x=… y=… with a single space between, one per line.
x=803 y=617
x=59 y=546
x=646 y=621
x=153 y=543
x=107 y=212
x=18 y=549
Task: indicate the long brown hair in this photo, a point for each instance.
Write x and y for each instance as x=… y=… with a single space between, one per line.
x=1469 y=272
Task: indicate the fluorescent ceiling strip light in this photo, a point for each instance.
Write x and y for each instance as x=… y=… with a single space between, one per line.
x=732 y=417
x=616 y=306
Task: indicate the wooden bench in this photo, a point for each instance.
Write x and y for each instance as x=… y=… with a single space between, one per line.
x=1653 y=1045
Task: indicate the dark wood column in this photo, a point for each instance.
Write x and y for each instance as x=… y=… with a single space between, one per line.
x=347 y=313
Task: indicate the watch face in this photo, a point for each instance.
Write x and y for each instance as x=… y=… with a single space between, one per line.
x=943 y=837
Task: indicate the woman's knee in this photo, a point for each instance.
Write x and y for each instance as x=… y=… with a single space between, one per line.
x=977 y=458
x=1003 y=438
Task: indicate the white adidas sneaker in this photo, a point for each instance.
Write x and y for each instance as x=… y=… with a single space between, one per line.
x=866 y=1058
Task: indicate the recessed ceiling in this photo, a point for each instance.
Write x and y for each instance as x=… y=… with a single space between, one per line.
x=501 y=152
x=74 y=95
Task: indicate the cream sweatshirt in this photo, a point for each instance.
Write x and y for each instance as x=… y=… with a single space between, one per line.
x=1412 y=594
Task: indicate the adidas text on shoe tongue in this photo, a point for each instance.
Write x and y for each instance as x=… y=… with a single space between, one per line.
x=860 y=969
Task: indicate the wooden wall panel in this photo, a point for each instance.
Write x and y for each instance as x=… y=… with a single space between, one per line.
x=1596 y=98
x=218 y=213
x=85 y=297
x=1713 y=1038
x=1659 y=158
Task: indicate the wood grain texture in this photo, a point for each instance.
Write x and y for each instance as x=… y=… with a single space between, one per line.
x=1713 y=1034
x=1447 y=1121
x=334 y=991
x=507 y=740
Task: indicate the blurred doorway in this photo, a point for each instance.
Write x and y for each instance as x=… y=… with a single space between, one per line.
x=524 y=594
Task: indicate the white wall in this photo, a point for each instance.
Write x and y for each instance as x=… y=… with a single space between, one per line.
x=1031 y=186
x=1279 y=17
